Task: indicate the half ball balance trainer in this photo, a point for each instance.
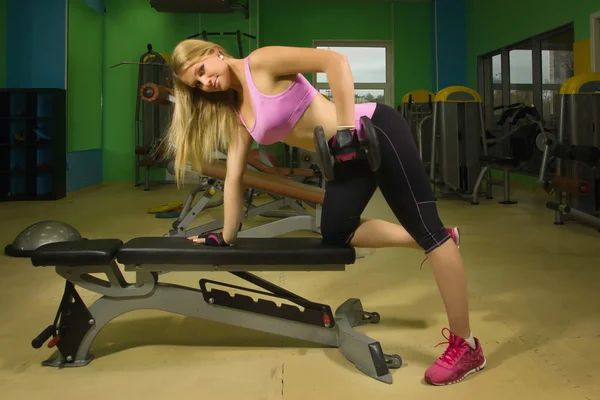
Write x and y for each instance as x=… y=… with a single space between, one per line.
x=76 y=325
x=348 y=144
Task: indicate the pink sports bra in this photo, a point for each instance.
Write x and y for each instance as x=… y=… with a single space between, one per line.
x=276 y=116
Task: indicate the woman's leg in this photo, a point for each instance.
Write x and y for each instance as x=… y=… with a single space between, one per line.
x=405 y=185
x=345 y=200
x=378 y=233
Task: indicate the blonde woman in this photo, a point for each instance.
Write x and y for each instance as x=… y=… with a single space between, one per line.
x=222 y=102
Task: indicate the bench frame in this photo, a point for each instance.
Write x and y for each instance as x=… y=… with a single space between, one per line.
x=298 y=219
x=78 y=325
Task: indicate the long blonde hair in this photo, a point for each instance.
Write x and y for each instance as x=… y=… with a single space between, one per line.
x=201 y=122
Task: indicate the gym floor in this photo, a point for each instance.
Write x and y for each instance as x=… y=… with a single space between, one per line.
x=533 y=298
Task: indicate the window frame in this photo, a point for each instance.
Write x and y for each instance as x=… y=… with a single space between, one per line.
x=535 y=44
x=388 y=87
x=595 y=41
x=537 y=86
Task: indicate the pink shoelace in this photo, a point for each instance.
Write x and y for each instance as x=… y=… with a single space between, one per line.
x=454 y=349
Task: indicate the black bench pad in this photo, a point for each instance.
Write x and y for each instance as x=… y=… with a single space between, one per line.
x=246 y=251
x=76 y=253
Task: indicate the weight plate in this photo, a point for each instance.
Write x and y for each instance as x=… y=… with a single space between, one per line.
x=322 y=153
x=540 y=141
x=372 y=149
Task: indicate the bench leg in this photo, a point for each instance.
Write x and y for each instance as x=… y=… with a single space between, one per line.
x=282 y=227
x=189 y=213
x=147 y=178
x=507 y=200
x=482 y=173
x=364 y=352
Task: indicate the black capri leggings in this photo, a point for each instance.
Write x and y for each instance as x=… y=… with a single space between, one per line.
x=401 y=178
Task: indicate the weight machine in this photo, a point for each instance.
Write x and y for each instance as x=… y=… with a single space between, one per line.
x=417 y=109
x=457 y=142
x=526 y=133
x=150 y=119
x=576 y=153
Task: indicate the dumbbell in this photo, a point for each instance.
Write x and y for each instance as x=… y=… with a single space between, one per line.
x=347 y=145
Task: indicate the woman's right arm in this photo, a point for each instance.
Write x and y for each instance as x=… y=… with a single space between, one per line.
x=237 y=161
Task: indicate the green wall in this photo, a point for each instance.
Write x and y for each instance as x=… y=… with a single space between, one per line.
x=490 y=28
x=3 y=43
x=129 y=27
x=84 y=64
x=407 y=24
x=412 y=48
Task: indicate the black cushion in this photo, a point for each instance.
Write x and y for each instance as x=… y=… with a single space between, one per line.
x=246 y=251
x=502 y=161
x=76 y=253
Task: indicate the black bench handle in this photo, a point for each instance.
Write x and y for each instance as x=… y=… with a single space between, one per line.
x=42 y=337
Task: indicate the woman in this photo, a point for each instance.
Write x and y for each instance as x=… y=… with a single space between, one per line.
x=224 y=102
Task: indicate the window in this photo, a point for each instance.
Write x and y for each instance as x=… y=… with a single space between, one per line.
x=532 y=72
x=493 y=89
x=372 y=69
x=521 y=75
x=557 y=66
x=361 y=95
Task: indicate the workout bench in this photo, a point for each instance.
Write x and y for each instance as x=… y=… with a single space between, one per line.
x=284 y=191
x=76 y=326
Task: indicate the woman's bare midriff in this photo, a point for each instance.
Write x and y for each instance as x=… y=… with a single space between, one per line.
x=321 y=112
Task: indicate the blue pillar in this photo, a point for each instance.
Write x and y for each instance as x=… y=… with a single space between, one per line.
x=37 y=50
x=36 y=44
x=3 y=44
x=449 y=43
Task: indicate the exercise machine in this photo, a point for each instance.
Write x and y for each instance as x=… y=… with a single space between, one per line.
x=526 y=134
x=151 y=120
x=576 y=153
x=76 y=325
x=457 y=142
x=417 y=109
x=285 y=193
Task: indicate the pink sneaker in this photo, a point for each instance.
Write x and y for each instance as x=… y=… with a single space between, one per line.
x=456 y=363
